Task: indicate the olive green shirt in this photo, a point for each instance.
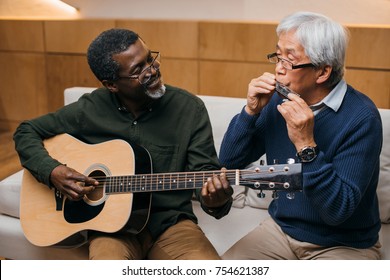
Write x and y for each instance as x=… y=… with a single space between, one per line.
x=175 y=130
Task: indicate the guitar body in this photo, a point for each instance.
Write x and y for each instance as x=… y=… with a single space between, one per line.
x=49 y=219
x=122 y=200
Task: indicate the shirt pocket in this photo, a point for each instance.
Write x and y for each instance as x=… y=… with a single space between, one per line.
x=164 y=157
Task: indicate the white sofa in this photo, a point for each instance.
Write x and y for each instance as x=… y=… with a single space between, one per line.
x=247 y=212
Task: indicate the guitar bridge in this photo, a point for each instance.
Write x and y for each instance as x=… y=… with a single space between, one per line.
x=58 y=196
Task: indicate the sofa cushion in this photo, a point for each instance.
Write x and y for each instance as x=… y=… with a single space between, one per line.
x=10 y=193
x=221 y=110
x=73 y=94
x=239 y=196
x=383 y=190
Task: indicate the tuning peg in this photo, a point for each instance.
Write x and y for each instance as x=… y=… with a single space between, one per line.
x=290 y=195
x=290 y=161
x=275 y=195
x=261 y=194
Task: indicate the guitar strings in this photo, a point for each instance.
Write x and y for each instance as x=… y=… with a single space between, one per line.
x=164 y=181
x=179 y=176
x=232 y=173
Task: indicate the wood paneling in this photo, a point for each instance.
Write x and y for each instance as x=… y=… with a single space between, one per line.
x=369 y=47
x=171 y=38
x=41 y=58
x=178 y=44
x=236 y=41
x=21 y=35
x=73 y=36
x=229 y=78
x=8 y=157
x=66 y=71
x=23 y=83
x=181 y=73
x=375 y=84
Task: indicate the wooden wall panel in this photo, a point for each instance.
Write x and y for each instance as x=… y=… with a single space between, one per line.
x=232 y=41
x=6 y=125
x=181 y=73
x=66 y=71
x=42 y=58
x=172 y=38
x=21 y=35
x=369 y=47
x=375 y=84
x=23 y=93
x=73 y=36
x=229 y=78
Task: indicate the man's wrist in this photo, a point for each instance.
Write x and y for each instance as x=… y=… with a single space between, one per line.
x=249 y=111
x=219 y=211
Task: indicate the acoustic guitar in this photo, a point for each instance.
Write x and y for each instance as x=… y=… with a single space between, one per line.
x=121 y=201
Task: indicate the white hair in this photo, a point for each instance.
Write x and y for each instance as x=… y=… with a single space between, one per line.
x=324 y=40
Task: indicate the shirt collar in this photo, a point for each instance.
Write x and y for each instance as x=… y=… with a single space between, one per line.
x=333 y=100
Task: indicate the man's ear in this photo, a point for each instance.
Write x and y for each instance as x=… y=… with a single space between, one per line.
x=324 y=74
x=111 y=86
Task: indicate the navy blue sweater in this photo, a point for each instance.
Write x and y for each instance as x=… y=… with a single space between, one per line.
x=338 y=205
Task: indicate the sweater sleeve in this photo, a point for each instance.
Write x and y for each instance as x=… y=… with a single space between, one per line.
x=238 y=148
x=33 y=156
x=336 y=188
x=29 y=137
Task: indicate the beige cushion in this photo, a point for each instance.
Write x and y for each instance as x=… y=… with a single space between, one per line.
x=221 y=110
x=73 y=94
x=383 y=190
x=239 y=195
x=10 y=194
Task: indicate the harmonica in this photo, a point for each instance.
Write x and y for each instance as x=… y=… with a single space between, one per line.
x=283 y=90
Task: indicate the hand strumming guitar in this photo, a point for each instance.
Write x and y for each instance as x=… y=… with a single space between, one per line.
x=71 y=183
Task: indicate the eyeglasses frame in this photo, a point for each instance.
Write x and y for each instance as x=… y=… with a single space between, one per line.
x=305 y=65
x=147 y=68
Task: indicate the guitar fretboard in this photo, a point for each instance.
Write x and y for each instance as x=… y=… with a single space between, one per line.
x=159 y=181
x=268 y=178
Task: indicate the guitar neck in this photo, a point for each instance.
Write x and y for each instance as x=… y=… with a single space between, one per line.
x=274 y=177
x=158 y=182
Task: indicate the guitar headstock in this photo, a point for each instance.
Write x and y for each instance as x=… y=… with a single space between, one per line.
x=278 y=177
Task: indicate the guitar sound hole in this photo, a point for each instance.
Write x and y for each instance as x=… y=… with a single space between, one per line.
x=98 y=193
x=80 y=212
x=88 y=208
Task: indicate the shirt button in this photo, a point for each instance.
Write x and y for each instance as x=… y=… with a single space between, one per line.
x=134 y=122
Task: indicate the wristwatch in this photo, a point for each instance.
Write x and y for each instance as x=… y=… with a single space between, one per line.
x=308 y=153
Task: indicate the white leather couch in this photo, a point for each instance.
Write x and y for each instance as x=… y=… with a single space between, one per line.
x=247 y=212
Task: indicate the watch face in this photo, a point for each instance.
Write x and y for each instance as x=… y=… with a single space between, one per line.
x=307 y=154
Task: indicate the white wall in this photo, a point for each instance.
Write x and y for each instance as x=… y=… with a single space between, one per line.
x=36 y=9
x=344 y=11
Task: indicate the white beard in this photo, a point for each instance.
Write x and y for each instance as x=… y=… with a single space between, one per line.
x=156 y=94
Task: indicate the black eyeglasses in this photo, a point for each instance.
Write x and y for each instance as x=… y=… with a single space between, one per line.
x=274 y=58
x=146 y=73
